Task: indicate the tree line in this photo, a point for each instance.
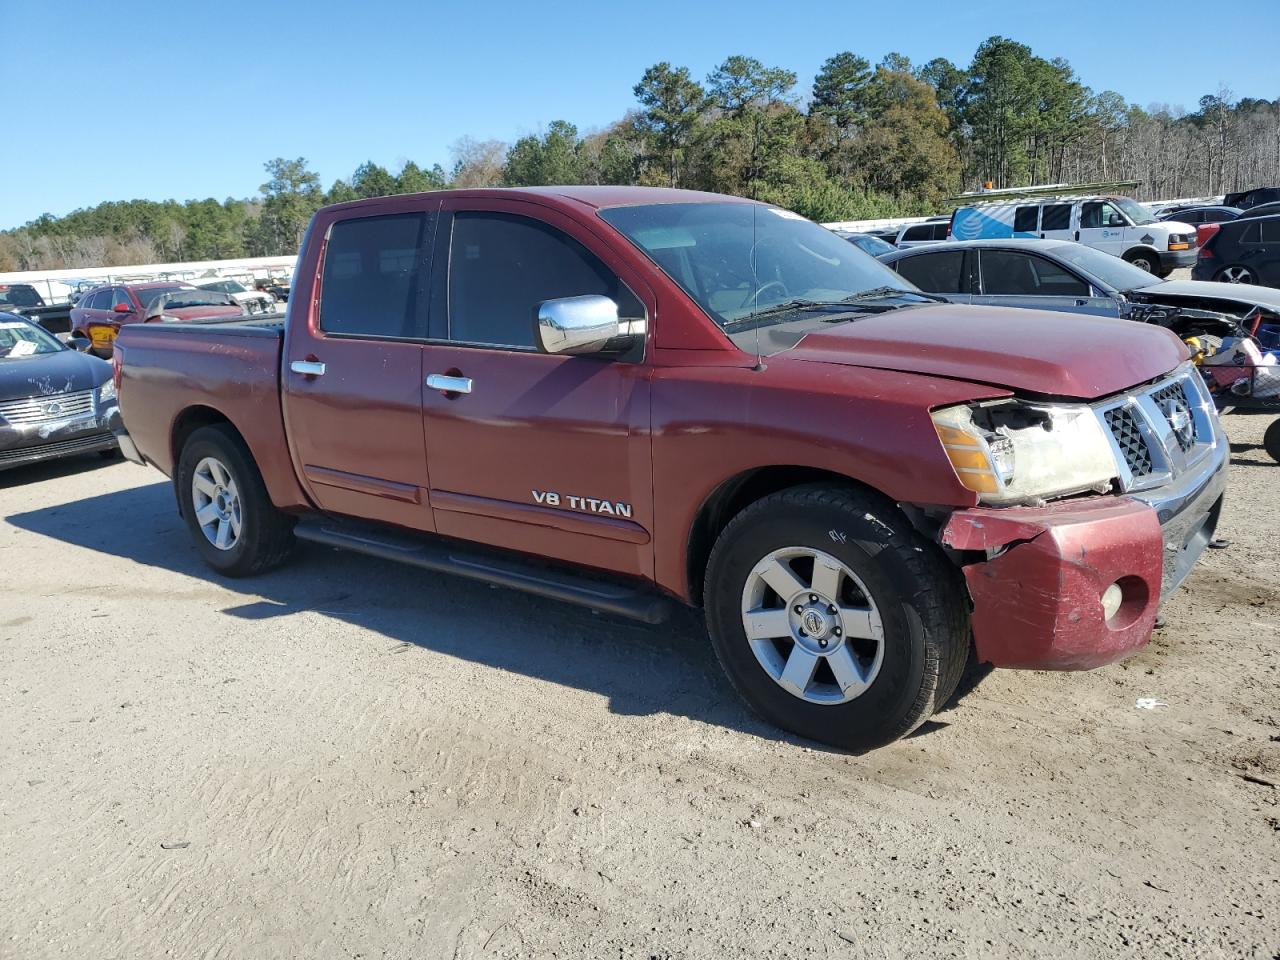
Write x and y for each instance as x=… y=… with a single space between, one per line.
x=890 y=139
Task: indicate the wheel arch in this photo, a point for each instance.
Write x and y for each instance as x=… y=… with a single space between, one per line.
x=734 y=495
x=192 y=419
x=1141 y=248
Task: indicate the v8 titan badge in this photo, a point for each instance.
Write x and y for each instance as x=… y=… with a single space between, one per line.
x=612 y=508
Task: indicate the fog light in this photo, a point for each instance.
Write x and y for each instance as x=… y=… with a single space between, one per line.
x=1111 y=598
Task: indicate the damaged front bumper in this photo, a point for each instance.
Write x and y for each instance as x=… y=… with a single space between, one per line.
x=84 y=433
x=1038 y=598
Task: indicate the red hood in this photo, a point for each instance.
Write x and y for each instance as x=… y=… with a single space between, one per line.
x=1036 y=351
x=209 y=310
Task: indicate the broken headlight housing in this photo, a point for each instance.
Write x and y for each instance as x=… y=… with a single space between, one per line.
x=1014 y=451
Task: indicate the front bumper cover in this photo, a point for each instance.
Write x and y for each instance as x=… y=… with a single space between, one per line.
x=1037 y=598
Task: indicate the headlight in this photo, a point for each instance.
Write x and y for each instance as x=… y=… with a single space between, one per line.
x=107 y=391
x=1012 y=451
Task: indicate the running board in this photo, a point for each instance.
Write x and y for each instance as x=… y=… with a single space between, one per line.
x=446 y=556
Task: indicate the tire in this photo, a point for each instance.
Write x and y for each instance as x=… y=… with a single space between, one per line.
x=1271 y=440
x=903 y=580
x=259 y=536
x=1144 y=260
x=1235 y=274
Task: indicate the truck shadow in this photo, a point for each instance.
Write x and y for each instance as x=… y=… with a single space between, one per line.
x=640 y=669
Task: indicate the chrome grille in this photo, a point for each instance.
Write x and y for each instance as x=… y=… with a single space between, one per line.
x=1133 y=445
x=1160 y=431
x=43 y=409
x=1174 y=397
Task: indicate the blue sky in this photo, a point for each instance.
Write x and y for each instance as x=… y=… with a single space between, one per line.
x=182 y=99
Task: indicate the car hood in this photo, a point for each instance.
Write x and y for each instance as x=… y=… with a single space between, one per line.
x=197 y=313
x=1180 y=290
x=46 y=376
x=1031 y=351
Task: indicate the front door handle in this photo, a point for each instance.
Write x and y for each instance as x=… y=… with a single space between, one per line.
x=308 y=368
x=442 y=381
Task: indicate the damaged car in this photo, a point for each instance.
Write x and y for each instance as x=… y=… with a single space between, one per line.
x=1064 y=276
x=54 y=401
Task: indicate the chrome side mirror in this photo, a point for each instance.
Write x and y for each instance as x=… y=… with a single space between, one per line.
x=576 y=325
x=79 y=344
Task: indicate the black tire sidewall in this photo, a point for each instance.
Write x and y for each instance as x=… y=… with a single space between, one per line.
x=1271 y=440
x=215 y=442
x=879 y=713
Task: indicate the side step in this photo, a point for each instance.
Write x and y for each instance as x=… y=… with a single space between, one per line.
x=463 y=560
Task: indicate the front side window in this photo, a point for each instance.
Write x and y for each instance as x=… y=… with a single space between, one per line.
x=940 y=272
x=370 y=285
x=119 y=296
x=1025 y=219
x=502 y=266
x=1005 y=273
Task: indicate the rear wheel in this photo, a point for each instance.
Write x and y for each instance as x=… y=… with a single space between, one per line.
x=1236 y=275
x=224 y=502
x=833 y=618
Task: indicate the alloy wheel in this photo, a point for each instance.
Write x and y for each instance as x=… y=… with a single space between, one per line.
x=217 y=503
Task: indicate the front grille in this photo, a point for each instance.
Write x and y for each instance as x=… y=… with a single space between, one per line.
x=61 y=449
x=1176 y=396
x=1133 y=446
x=44 y=409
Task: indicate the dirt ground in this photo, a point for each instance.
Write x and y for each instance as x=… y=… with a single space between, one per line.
x=345 y=758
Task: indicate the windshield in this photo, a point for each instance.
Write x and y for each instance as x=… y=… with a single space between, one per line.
x=19 y=339
x=869 y=244
x=1134 y=210
x=20 y=295
x=1109 y=270
x=738 y=260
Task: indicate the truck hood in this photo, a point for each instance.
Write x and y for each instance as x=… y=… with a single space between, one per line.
x=1031 y=351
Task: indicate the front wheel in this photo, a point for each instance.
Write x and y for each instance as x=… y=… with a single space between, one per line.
x=1144 y=260
x=235 y=526
x=833 y=618
x=1271 y=440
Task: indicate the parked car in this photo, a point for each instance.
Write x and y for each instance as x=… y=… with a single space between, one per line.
x=915 y=234
x=635 y=397
x=1261 y=210
x=1115 y=225
x=253 y=301
x=1068 y=277
x=54 y=402
x=1252 y=198
x=277 y=288
x=25 y=299
x=1199 y=215
x=99 y=314
x=867 y=243
x=1242 y=251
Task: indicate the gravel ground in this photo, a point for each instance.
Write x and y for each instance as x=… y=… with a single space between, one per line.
x=349 y=759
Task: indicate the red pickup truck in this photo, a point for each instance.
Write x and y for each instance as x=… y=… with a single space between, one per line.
x=628 y=398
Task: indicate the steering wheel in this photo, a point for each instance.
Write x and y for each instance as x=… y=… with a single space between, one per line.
x=755 y=294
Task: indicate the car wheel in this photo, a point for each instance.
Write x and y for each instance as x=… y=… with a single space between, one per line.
x=1144 y=260
x=833 y=618
x=222 y=498
x=1271 y=440
x=1236 y=275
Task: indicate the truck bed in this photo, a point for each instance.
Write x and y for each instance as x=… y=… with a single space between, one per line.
x=175 y=377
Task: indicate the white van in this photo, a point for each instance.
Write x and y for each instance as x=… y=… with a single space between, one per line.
x=1117 y=225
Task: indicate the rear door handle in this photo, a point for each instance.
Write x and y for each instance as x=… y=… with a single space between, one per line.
x=308 y=368
x=441 y=381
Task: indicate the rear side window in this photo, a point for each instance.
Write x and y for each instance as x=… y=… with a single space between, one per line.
x=1025 y=219
x=370 y=286
x=923 y=231
x=941 y=272
x=1250 y=233
x=502 y=266
x=1270 y=231
x=1056 y=216
x=97 y=301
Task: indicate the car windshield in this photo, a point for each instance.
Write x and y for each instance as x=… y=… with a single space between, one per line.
x=869 y=244
x=744 y=263
x=19 y=339
x=1105 y=268
x=20 y=295
x=1134 y=211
